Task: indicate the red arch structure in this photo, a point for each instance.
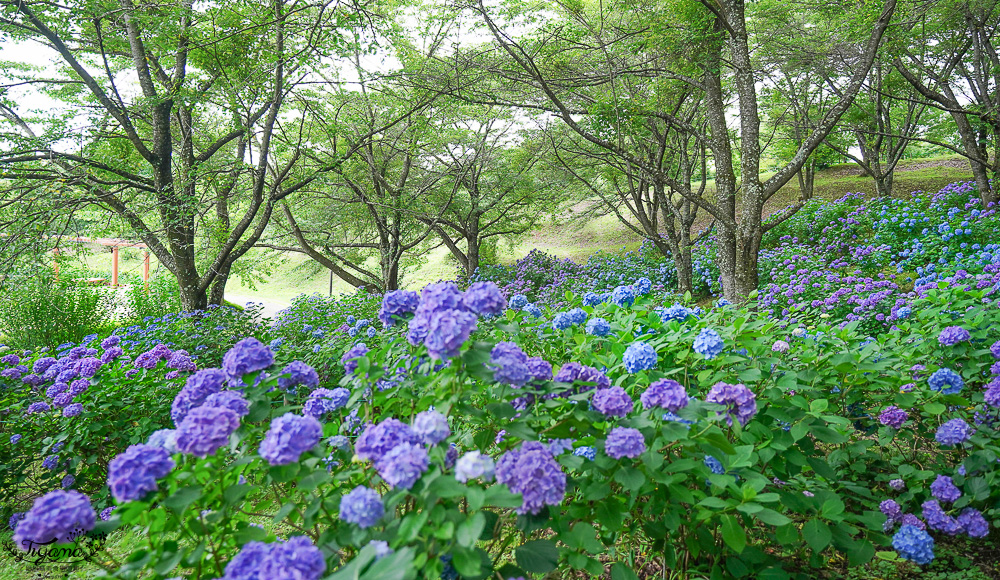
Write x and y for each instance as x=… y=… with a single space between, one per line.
x=113 y=243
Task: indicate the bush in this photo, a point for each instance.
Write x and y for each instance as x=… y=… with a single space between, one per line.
x=45 y=310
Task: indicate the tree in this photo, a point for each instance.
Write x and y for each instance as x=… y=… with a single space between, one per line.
x=186 y=160
x=719 y=48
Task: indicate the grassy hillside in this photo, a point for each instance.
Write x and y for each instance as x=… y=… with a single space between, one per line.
x=293 y=274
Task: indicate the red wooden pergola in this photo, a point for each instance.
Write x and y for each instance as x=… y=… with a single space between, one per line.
x=113 y=243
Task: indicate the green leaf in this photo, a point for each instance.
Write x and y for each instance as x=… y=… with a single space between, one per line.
x=469 y=530
x=934 y=409
x=733 y=534
x=182 y=498
x=817 y=534
x=630 y=478
x=621 y=572
x=772 y=518
x=537 y=556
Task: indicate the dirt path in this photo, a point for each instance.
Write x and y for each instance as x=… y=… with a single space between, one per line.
x=271 y=306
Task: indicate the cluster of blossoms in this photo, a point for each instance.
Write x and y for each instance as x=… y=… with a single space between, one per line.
x=533 y=472
x=740 y=402
x=446 y=316
x=295 y=558
x=399 y=450
x=133 y=474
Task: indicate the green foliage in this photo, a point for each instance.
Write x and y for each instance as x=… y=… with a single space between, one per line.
x=45 y=309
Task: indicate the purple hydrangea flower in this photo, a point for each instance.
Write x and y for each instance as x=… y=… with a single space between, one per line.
x=246 y=564
x=639 y=356
x=110 y=342
x=780 y=346
x=708 y=343
x=350 y=358
x=111 y=354
x=403 y=465
x=133 y=473
x=34 y=380
x=532 y=472
x=893 y=416
x=62 y=399
x=180 y=360
x=397 y=303
x=14 y=519
x=666 y=394
x=377 y=440
x=510 y=364
x=973 y=523
x=892 y=510
x=106 y=513
x=912 y=520
x=539 y=369
x=953 y=335
x=43 y=364
x=914 y=544
x=196 y=389
x=297 y=558
x=247 y=356
x=72 y=410
x=944 y=489
x=89 y=366
x=574 y=371
x=938 y=520
x=323 y=401
x=947 y=381
x=205 y=429
x=897 y=484
x=954 y=432
x=232 y=400
x=299 y=373
x=431 y=427
x=612 y=402
x=164 y=438
x=362 y=506
x=15 y=438
x=447 y=331
x=484 y=299
x=59 y=515
x=290 y=436
x=56 y=389
x=992 y=395
x=623 y=296
x=37 y=407
x=740 y=402
x=473 y=465
x=78 y=387
x=624 y=442
x=51 y=462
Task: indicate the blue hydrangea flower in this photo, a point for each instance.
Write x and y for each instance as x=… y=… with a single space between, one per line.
x=133 y=473
x=532 y=472
x=623 y=296
x=642 y=286
x=381 y=548
x=708 y=343
x=350 y=358
x=598 y=327
x=666 y=394
x=577 y=315
x=165 y=438
x=58 y=516
x=562 y=321
x=612 y=402
x=954 y=432
x=362 y=506
x=510 y=364
x=403 y=465
x=740 y=402
x=518 y=301
x=624 y=442
x=322 y=401
x=298 y=373
x=205 y=429
x=247 y=356
x=484 y=299
x=953 y=335
x=474 y=465
x=431 y=427
x=676 y=311
x=947 y=381
x=290 y=436
x=297 y=558
x=377 y=440
x=585 y=452
x=944 y=489
x=914 y=544
x=639 y=356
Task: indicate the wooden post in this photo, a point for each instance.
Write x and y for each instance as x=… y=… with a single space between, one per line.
x=145 y=268
x=114 y=266
x=55 y=261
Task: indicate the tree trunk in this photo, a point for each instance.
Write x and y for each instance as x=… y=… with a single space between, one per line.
x=471 y=255
x=192 y=296
x=217 y=291
x=883 y=184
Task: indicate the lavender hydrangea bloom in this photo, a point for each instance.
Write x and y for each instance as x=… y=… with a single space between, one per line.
x=110 y=342
x=740 y=402
x=72 y=410
x=574 y=371
x=973 y=523
x=247 y=356
x=196 y=390
x=43 y=364
x=37 y=407
x=297 y=558
x=612 y=402
x=377 y=440
x=164 y=438
x=298 y=373
x=944 y=489
x=180 y=360
x=624 y=442
x=78 y=386
x=484 y=299
x=954 y=432
x=510 y=364
x=897 y=484
x=953 y=335
x=992 y=395
x=232 y=400
x=912 y=520
x=708 y=343
x=447 y=331
x=350 y=358
x=532 y=472
x=246 y=564
x=56 y=389
x=290 y=436
x=362 y=506
x=58 y=515
x=947 y=381
x=938 y=520
x=51 y=462
x=639 y=356
x=892 y=510
x=10 y=359
x=586 y=452
x=780 y=346
x=15 y=438
x=34 y=380
x=205 y=429
x=431 y=427
x=541 y=369
x=89 y=367
x=914 y=544
x=397 y=303
x=893 y=416
x=62 y=399
x=133 y=473
x=323 y=401
x=473 y=465
x=403 y=465
x=666 y=394
x=994 y=350
x=14 y=519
